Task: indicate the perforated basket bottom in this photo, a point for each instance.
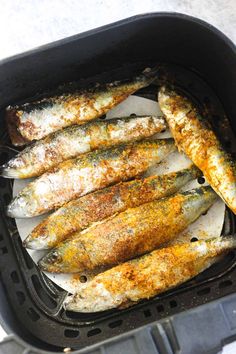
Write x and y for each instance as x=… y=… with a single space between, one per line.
x=37 y=302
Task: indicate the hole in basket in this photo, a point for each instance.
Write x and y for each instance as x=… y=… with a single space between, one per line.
x=103 y=117
x=204 y=291
x=83 y=279
x=94 y=332
x=69 y=333
x=15 y=277
x=33 y=315
x=225 y=284
x=194 y=239
x=20 y=297
x=133 y=115
x=115 y=324
x=201 y=180
x=173 y=304
x=205 y=212
x=3 y=250
x=160 y=308
x=147 y=313
x=43 y=295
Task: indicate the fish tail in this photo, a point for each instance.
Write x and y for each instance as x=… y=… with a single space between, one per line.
x=222 y=244
x=149 y=74
x=8 y=172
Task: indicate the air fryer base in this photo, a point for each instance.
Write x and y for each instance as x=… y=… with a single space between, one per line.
x=205 y=329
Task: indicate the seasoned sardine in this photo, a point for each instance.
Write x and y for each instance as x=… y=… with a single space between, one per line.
x=67 y=143
x=86 y=173
x=195 y=137
x=129 y=234
x=147 y=276
x=81 y=213
x=33 y=121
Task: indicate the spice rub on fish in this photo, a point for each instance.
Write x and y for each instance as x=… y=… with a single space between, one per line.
x=86 y=173
x=81 y=213
x=147 y=276
x=195 y=137
x=34 y=121
x=129 y=234
x=69 y=142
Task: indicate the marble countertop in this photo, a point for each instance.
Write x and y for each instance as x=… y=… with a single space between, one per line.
x=25 y=24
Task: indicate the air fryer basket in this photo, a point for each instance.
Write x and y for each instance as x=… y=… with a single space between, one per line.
x=193 y=56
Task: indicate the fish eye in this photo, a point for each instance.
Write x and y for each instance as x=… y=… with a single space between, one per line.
x=83 y=279
x=55 y=257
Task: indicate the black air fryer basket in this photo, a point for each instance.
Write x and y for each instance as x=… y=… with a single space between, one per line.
x=198 y=59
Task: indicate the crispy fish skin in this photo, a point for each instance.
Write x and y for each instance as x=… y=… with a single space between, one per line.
x=86 y=173
x=34 y=121
x=195 y=137
x=147 y=276
x=81 y=213
x=129 y=234
x=67 y=143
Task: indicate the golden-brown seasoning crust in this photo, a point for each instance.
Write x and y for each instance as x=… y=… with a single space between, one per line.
x=35 y=120
x=94 y=170
x=195 y=137
x=147 y=276
x=130 y=233
x=81 y=213
x=75 y=140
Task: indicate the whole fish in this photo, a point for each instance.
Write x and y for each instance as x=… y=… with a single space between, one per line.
x=86 y=173
x=67 y=143
x=33 y=121
x=81 y=213
x=147 y=276
x=129 y=234
x=195 y=137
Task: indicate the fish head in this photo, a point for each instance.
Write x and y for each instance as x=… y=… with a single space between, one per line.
x=68 y=257
x=197 y=201
x=92 y=297
x=37 y=243
x=22 y=206
x=52 y=262
x=173 y=104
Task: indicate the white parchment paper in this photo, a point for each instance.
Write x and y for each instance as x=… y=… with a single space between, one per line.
x=209 y=225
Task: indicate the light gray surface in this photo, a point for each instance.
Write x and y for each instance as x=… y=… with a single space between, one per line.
x=25 y=24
